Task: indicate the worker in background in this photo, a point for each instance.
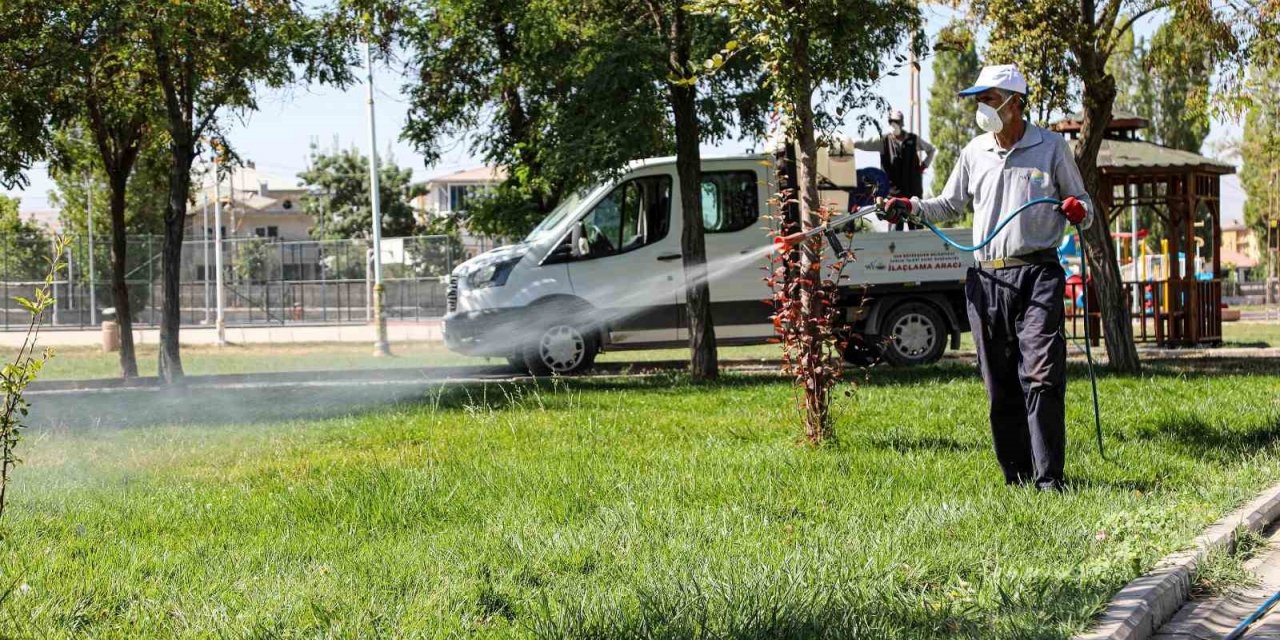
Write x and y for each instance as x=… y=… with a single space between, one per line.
x=1015 y=293
x=900 y=151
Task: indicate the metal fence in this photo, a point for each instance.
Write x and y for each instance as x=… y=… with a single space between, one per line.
x=265 y=281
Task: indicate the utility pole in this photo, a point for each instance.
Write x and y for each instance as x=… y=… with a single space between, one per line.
x=205 y=242
x=916 y=119
x=220 y=321
x=88 y=212
x=380 y=345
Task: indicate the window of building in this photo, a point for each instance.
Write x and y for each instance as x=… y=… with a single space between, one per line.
x=458 y=194
x=730 y=201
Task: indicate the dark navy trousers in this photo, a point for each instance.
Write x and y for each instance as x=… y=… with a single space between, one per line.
x=1016 y=316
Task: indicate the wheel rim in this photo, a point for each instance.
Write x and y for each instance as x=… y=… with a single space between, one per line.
x=914 y=335
x=562 y=348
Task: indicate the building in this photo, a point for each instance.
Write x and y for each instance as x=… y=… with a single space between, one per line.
x=255 y=204
x=448 y=195
x=1240 y=250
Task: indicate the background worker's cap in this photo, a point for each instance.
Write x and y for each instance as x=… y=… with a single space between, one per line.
x=896 y=116
x=998 y=76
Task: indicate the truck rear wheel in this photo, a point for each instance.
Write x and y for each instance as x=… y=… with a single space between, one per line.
x=913 y=333
x=562 y=349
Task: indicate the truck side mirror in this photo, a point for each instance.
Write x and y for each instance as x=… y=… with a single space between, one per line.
x=578 y=243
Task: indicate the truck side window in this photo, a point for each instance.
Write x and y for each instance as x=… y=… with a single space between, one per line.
x=730 y=201
x=636 y=213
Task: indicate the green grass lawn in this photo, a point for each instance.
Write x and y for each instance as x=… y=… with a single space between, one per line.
x=1251 y=333
x=594 y=508
x=90 y=362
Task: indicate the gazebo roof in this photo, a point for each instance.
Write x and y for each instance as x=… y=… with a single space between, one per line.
x=1120 y=121
x=1122 y=152
x=1137 y=156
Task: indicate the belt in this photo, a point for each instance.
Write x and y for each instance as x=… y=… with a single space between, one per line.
x=1043 y=256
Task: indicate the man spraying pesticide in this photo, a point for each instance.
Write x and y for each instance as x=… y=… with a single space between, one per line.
x=1015 y=294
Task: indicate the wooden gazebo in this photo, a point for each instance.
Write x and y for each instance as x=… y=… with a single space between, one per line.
x=1175 y=285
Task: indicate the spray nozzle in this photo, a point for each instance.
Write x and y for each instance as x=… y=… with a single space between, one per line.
x=788 y=242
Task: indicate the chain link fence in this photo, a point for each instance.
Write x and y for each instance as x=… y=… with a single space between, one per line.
x=265 y=281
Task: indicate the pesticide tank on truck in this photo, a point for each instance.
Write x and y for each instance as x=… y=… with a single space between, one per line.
x=604 y=271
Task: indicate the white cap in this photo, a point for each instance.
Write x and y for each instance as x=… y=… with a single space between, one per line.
x=998 y=76
x=895 y=116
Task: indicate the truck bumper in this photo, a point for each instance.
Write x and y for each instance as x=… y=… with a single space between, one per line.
x=489 y=333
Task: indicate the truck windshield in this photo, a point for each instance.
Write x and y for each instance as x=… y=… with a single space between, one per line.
x=554 y=220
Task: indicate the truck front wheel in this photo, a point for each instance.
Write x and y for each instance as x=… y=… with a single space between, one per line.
x=914 y=333
x=562 y=349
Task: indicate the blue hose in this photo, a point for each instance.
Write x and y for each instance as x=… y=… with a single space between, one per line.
x=1238 y=632
x=1084 y=279
x=995 y=232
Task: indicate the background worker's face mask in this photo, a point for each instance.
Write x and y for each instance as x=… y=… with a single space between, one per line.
x=989 y=118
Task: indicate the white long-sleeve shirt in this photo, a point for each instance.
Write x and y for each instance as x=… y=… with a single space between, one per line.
x=998 y=181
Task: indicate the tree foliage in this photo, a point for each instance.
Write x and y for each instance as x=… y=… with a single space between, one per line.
x=1260 y=150
x=339 y=201
x=24 y=245
x=87 y=63
x=951 y=121
x=1165 y=80
x=535 y=87
x=559 y=93
x=1036 y=36
x=145 y=200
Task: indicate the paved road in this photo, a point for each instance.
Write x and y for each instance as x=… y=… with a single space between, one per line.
x=1216 y=616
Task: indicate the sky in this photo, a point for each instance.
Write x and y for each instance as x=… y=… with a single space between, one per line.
x=278 y=136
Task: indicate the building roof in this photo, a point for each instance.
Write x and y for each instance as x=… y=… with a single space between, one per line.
x=1238 y=259
x=1132 y=156
x=50 y=219
x=242 y=180
x=477 y=174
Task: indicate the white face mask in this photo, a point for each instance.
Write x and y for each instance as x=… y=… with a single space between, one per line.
x=989 y=119
x=895 y=128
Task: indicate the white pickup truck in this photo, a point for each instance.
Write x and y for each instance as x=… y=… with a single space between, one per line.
x=604 y=271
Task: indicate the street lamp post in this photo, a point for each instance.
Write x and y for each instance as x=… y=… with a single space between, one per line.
x=88 y=212
x=380 y=345
x=219 y=294
x=205 y=242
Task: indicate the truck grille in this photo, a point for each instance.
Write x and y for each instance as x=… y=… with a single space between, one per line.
x=451 y=298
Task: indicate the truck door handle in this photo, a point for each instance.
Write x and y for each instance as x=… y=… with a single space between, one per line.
x=669 y=256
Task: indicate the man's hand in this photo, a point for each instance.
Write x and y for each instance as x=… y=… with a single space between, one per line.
x=1073 y=210
x=893 y=210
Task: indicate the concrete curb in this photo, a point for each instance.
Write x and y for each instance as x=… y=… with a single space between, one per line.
x=1138 y=610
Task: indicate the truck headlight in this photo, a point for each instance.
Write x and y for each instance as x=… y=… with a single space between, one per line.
x=491 y=275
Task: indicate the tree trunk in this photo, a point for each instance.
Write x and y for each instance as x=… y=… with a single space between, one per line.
x=816 y=424
x=175 y=220
x=119 y=288
x=703 y=363
x=1098 y=99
